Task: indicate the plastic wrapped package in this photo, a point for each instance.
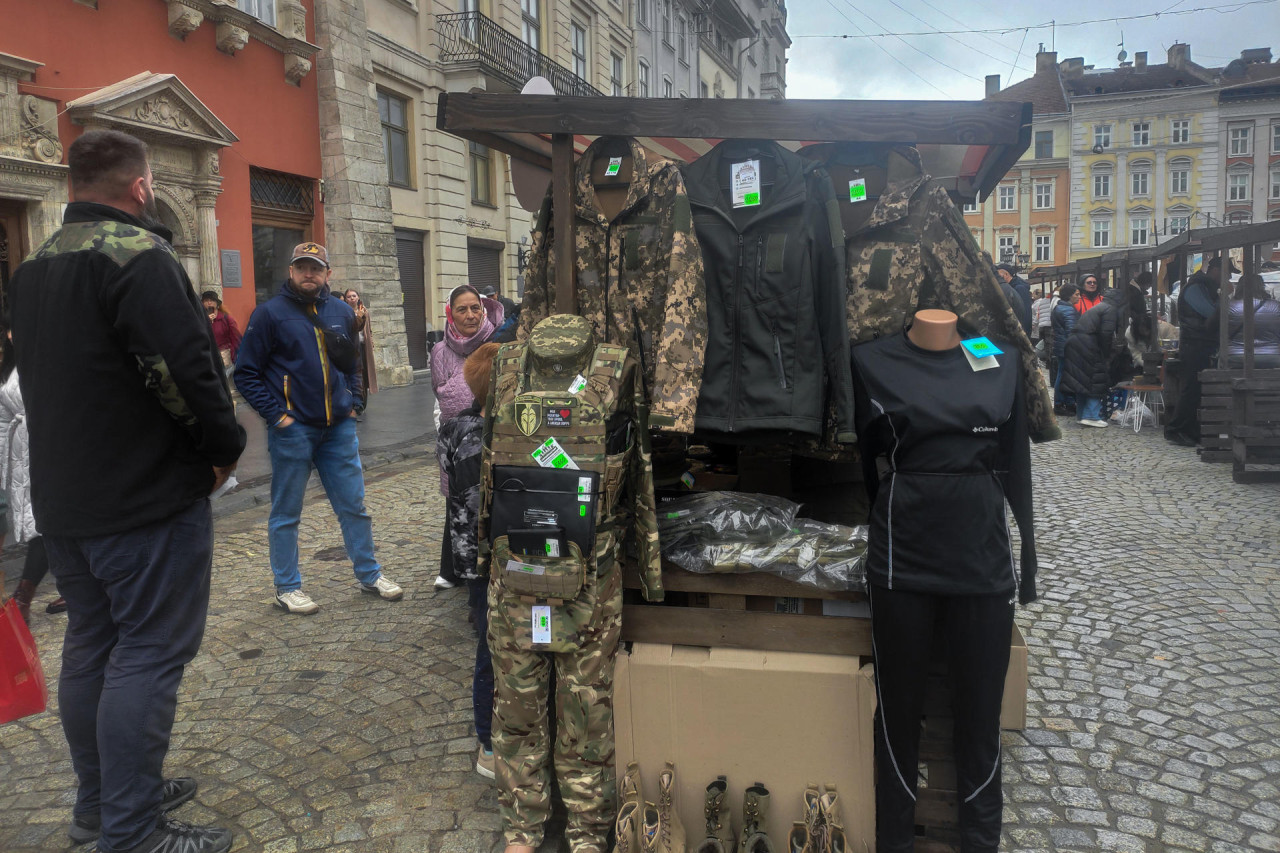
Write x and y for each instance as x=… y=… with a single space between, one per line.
x=724 y=517
x=728 y=532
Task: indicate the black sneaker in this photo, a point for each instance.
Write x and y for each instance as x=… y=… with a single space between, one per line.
x=174 y=836
x=85 y=828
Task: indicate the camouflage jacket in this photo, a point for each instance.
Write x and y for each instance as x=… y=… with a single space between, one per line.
x=639 y=280
x=914 y=252
x=127 y=407
x=458 y=452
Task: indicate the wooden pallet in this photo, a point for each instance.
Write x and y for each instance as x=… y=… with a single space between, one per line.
x=1215 y=414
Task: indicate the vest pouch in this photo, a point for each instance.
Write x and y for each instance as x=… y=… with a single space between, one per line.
x=540 y=577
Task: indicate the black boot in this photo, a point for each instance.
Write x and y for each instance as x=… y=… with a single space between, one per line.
x=23 y=595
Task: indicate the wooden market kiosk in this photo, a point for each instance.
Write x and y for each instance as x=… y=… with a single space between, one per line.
x=718 y=619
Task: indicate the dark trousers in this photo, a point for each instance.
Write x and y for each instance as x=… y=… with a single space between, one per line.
x=1194 y=356
x=975 y=633
x=136 y=606
x=37 y=564
x=482 y=680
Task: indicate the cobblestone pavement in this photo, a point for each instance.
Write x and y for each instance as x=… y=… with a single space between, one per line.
x=1153 y=711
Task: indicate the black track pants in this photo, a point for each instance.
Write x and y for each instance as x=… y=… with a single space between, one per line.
x=975 y=633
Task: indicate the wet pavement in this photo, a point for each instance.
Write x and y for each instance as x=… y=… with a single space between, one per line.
x=1153 y=709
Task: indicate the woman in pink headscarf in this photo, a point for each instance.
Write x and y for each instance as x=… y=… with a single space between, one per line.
x=472 y=320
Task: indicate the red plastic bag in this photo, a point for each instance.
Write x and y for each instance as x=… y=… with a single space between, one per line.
x=22 y=688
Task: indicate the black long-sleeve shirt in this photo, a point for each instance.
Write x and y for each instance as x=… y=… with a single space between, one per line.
x=943 y=448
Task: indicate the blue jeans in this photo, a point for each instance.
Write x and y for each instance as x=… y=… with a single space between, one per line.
x=335 y=454
x=1090 y=409
x=1060 y=397
x=136 y=607
x=482 y=679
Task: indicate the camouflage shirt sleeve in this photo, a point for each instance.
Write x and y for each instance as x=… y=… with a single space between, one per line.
x=677 y=376
x=958 y=279
x=539 y=276
x=644 y=514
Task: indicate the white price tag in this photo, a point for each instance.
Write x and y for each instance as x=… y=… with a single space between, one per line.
x=858 y=190
x=615 y=164
x=584 y=490
x=541 y=624
x=525 y=568
x=578 y=384
x=744 y=178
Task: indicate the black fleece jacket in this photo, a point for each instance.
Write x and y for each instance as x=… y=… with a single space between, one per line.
x=127 y=407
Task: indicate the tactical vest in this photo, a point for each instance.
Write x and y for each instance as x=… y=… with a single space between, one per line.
x=557 y=405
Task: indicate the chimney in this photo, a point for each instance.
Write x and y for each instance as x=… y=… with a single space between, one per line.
x=1256 y=55
x=1140 y=60
x=1073 y=67
x=1045 y=60
x=993 y=84
x=1179 y=56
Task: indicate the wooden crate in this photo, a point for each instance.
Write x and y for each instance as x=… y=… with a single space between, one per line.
x=733 y=611
x=1215 y=414
x=1255 y=430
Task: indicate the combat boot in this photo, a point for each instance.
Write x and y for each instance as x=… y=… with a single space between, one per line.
x=627 y=840
x=798 y=839
x=839 y=844
x=719 y=838
x=827 y=805
x=630 y=791
x=815 y=820
x=649 y=835
x=755 y=804
x=671 y=838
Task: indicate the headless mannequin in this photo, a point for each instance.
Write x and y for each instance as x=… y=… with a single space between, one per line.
x=934 y=330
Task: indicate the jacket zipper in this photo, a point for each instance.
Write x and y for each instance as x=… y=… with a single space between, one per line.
x=324 y=369
x=777 y=351
x=737 y=337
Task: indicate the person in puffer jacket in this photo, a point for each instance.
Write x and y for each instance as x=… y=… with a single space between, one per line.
x=1063 y=318
x=1087 y=357
x=472 y=320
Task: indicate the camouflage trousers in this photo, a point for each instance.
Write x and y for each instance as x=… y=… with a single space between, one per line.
x=582 y=756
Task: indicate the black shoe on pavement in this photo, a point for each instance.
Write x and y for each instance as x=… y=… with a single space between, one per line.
x=85 y=828
x=174 y=836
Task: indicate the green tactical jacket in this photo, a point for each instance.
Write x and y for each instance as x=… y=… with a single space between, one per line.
x=639 y=279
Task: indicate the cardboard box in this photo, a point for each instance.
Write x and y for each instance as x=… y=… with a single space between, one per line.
x=1013 y=707
x=787 y=719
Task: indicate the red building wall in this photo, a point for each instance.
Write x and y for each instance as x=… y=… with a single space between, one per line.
x=84 y=49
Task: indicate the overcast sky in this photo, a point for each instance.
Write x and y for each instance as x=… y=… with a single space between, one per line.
x=952 y=67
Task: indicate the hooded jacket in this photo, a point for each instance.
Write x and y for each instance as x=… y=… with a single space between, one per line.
x=450 y=353
x=639 y=278
x=127 y=404
x=1197 y=307
x=283 y=366
x=1087 y=357
x=1064 y=319
x=775 y=276
x=914 y=251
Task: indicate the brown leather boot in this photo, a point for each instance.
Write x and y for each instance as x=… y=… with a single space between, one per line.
x=23 y=594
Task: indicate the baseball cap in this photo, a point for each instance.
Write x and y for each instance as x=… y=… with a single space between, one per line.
x=312 y=251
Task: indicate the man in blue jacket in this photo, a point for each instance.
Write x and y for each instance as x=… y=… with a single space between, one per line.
x=299 y=368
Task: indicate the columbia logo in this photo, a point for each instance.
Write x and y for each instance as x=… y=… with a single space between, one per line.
x=986 y=429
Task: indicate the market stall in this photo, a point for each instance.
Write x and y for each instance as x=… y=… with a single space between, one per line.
x=724 y=668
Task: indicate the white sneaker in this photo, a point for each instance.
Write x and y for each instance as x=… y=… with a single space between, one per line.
x=441 y=583
x=1093 y=422
x=296 y=601
x=387 y=589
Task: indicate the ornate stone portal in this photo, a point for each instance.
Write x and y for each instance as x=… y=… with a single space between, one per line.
x=31 y=173
x=184 y=137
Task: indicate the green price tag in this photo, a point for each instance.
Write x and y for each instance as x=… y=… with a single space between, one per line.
x=751 y=199
x=858 y=190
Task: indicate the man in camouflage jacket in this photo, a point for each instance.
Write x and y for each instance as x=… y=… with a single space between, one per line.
x=914 y=251
x=639 y=278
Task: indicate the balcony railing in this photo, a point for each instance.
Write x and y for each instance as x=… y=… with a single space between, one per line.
x=473 y=37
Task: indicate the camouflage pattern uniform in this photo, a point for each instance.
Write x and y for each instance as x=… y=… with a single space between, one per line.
x=916 y=252
x=582 y=638
x=646 y=265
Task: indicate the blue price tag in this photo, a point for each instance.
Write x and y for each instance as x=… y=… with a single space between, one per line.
x=981 y=347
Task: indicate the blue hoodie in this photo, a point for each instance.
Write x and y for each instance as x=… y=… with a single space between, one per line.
x=283 y=367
